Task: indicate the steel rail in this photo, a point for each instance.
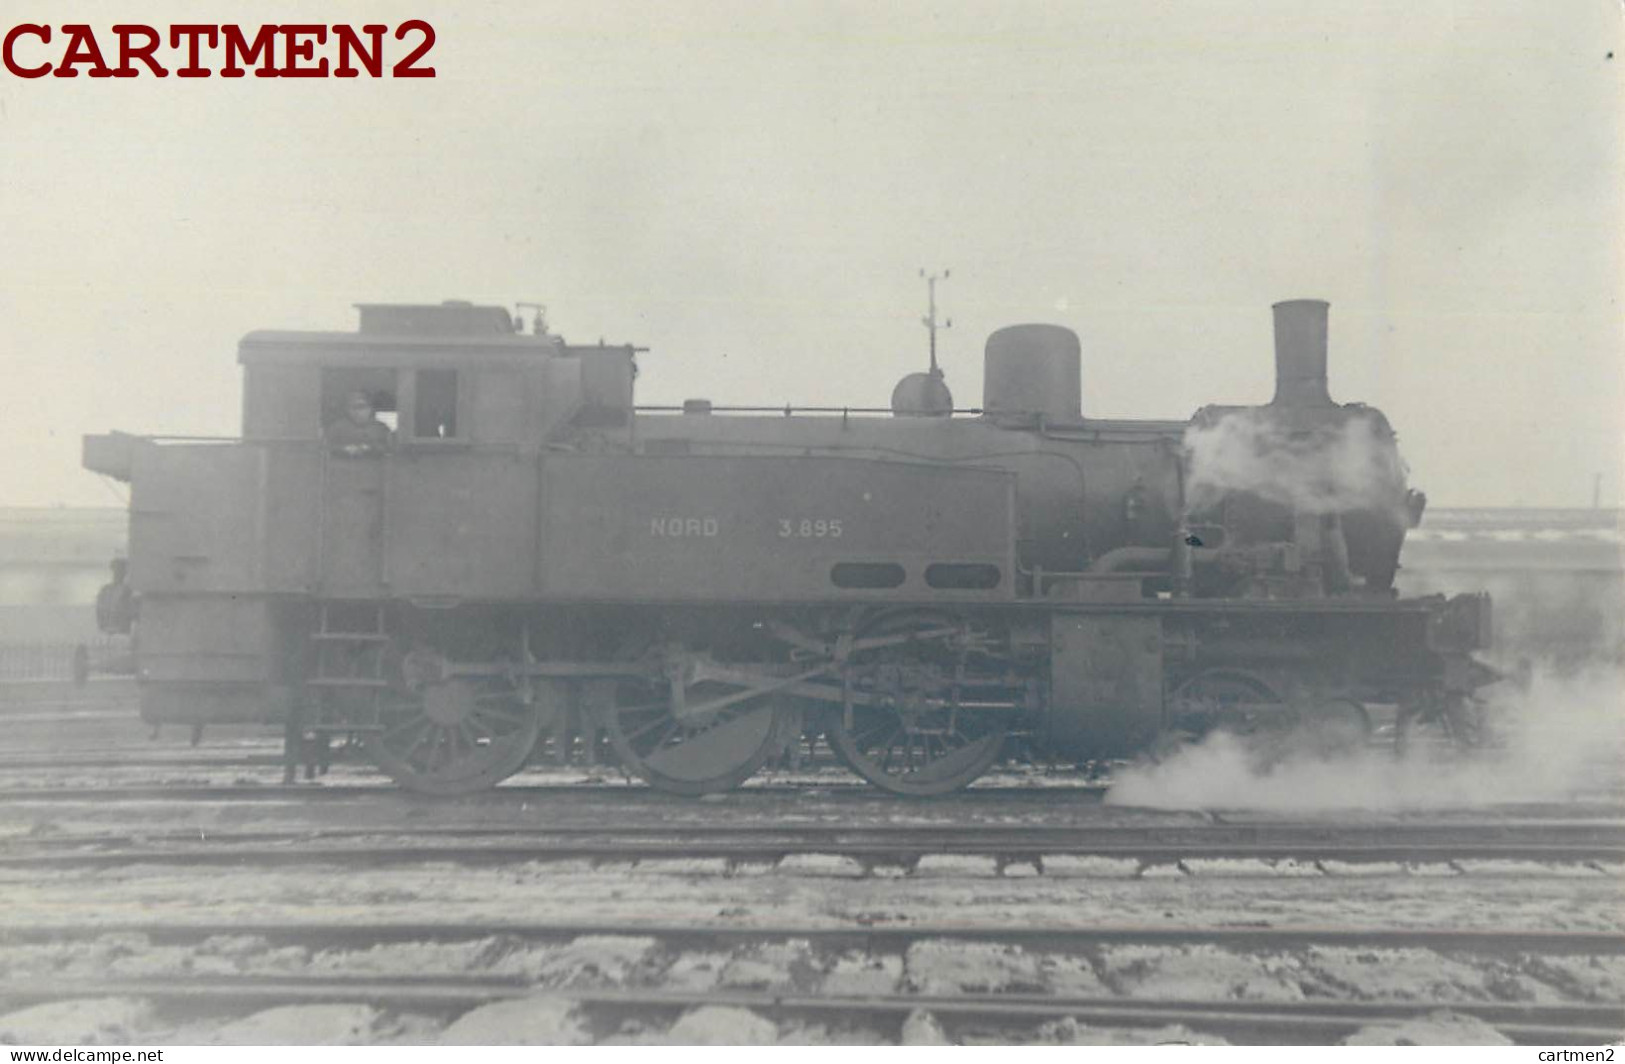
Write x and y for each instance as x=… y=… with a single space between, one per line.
x=903 y=848
x=844 y=788
x=749 y=828
x=1237 y=1021
x=1207 y=834
x=180 y=760
x=874 y=939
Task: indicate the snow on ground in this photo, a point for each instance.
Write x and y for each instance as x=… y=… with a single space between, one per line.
x=294 y=1025
x=85 y=1021
x=722 y=1026
x=922 y=1028
x=695 y=970
x=545 y=1019
x=939 y=968
x=954 y=864
x=1600 y=979
x=819 y=864
x=772 y=966
x=1436 y=1029
x=1526 y=868
x=1090 y=866
x=522 y=1021
x=1070 y=1032
x=676 y=866
x=1422 y=975
x=930 y=967
x=592 y=960
x=1202 y=972
x=540 y=891
x=1230 y=866
x=863 y=974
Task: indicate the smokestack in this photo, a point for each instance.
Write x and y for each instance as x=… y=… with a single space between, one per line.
x=1300 y=353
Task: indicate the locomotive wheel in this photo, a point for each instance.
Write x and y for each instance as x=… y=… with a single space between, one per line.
x=454 y=736
x=1333 y=728
x=1246 y=706
x=919 y=754
x=908 y=748
x=695 y=755
x=1447 y=721
x=1228 y=699
x=1232 y=701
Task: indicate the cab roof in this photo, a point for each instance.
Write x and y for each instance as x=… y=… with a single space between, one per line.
x=403 y=333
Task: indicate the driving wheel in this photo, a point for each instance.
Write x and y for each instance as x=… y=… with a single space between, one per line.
x=453 y=736
x=1234 y=701
x=695 y=738
x=910 y=730
x=1331 y=728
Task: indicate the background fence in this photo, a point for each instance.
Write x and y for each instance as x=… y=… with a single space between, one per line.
x=55 y=661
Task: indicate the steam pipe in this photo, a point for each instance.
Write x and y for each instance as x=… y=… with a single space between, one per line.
x=1132 y=559
x=1335 y=555
x=1181 y=562
x=1150 y=561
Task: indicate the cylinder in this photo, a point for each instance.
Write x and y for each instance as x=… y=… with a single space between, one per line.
x=1033 y=370
x=1300 y=353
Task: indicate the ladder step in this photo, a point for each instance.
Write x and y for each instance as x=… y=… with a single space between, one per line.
x=345 y=681
x=350 y=637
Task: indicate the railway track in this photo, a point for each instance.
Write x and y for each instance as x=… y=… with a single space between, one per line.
x=870 y=939
x=269 y=756
x=826 y=790
x=964 y=1015
x=845 y=790
x=46 y=762
x=836 y=827
x=1566 y=842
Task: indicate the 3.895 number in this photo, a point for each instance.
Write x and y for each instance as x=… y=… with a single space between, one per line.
x=810 y=528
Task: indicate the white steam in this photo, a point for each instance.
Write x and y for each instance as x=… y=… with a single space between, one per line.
x=1330 y=469
x=1561 y=739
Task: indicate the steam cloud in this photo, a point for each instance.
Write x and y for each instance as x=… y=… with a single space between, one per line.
x=1561 y=738
x=1331 y=469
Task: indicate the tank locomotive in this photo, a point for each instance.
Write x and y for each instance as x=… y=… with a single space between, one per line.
x=927 y=588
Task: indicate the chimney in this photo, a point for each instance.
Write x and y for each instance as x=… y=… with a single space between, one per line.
x=1300 y=353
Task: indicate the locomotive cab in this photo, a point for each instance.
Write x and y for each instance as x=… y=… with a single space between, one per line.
x=232 y=541
x=453 y=373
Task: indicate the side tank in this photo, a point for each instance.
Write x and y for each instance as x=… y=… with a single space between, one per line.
x=1085 y=486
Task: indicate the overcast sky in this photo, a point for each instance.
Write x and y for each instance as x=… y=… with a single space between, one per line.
x=750 y=190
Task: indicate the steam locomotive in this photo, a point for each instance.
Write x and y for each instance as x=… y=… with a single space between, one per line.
x=926 y=587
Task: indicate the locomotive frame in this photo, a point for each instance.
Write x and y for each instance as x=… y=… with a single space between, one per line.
x=920 y=585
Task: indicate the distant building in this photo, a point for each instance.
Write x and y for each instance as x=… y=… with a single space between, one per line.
x=1557 y=577
x=52 y=561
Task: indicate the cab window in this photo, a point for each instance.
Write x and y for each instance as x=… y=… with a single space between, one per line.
x=340 y=382
x=434 y=410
